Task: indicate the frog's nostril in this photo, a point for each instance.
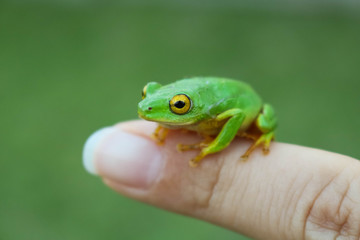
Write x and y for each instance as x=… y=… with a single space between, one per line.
x=150 y=108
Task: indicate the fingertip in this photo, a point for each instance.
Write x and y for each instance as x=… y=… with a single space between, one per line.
x=90 y=146
x=123 y=156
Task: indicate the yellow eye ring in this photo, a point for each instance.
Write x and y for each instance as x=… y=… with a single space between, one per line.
x=180 y=104
x=143 y=93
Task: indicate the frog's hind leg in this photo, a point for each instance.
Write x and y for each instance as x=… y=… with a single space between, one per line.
x=266 y=122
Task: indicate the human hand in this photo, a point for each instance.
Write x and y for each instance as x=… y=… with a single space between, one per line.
x=292 y=193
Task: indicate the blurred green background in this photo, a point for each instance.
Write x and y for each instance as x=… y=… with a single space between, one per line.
x=68 y=68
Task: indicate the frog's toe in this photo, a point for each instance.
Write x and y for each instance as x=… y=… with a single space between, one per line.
x=159 y=135
x=188 y=147
x=244 y=158
x=180 y=147
x=156 y=138
x=196 y=160
x=193 y=163
x=266 y=150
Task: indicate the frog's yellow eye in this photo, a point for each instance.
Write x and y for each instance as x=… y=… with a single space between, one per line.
x=180 y=104
x=143 y=93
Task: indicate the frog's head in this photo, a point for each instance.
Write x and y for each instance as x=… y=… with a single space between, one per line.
x=171 y=104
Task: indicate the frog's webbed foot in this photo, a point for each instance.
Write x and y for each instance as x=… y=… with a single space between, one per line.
x=160 y=134
x=264 y=139
x=248 y=135
x=266 y=123
x=196 y=160
x=201 y=145
x=188 y=147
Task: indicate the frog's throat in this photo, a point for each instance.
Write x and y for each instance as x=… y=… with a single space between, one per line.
x=166 y=123
x=175 y=125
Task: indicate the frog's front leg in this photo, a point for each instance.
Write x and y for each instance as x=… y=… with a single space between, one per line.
x=266 y=122
x=160 y=134
x=228 y=132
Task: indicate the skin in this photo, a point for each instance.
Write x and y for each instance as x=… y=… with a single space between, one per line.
x=217 y=108
x=295 y=193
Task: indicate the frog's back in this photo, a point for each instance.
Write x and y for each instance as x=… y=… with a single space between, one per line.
x=222 y=94
x=218 y=86
x=218 y=89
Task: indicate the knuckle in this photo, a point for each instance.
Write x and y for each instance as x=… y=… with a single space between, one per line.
x=335 y=209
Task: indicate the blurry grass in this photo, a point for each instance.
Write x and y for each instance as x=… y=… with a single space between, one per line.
x=65 y=72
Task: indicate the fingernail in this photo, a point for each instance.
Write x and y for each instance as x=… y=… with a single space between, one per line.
x=123 y=157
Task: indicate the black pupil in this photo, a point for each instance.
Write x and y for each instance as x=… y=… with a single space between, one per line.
x=179 y=104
